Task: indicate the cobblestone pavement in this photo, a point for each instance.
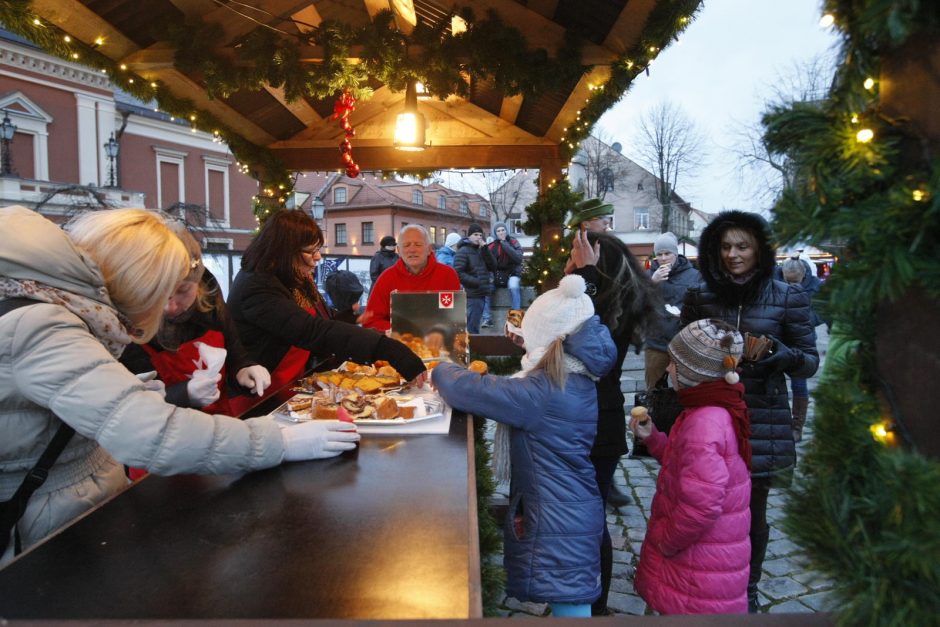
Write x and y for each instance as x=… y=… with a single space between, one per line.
x=787 y=586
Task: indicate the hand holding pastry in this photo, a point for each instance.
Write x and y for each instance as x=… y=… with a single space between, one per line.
x=640 y=423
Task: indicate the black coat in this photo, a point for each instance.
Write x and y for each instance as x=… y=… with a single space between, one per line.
x=682 y=276
x=611 y=439
x=760 y=306
x=381 y=261
x=270 y=322
x=475 y=266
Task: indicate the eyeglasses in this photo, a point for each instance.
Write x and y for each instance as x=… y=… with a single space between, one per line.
x=310 y=250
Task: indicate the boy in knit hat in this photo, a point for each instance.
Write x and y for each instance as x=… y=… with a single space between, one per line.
x=547 y=417
x=696 y=555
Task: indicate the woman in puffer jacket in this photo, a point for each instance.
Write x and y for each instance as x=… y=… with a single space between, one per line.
x=695 y=555
x=737 y=261
x=78 y=299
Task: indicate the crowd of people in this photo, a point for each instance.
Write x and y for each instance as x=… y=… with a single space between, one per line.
x=107 y=363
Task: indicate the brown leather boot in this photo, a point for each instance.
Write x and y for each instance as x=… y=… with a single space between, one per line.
x=800 y=405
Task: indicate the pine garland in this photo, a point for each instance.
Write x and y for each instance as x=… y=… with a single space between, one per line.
x=546 y=266
x=867 y=514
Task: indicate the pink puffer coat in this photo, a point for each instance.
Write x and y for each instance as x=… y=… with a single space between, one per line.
x=695 y=558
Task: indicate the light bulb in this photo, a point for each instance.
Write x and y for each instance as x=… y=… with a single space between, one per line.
x=869 y=83
x=865 y=135
x=827 y=20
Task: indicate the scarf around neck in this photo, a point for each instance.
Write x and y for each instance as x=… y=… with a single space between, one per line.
x=730 y=397
x=108 y=325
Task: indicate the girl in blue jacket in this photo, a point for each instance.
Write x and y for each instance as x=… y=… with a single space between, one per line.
x=548 y=421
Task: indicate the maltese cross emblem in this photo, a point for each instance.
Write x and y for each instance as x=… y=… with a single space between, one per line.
x=446 y=300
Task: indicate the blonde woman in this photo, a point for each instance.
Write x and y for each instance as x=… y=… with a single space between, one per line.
x=78 y=299
x=194 y=314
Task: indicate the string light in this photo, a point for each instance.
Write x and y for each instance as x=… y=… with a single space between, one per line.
x=883 y=432
x=865 y=135
x=827 y=20
x=869 y=83
x=919 y=195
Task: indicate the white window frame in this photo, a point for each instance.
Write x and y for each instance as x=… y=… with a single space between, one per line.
x=33 y=121
x=228 y=241
x=176 y=157
x=218 y=164
x=417 y=197
x=637 y=213
x=441 y=202
x=345 y=200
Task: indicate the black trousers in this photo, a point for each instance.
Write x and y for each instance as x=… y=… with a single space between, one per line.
x=604 y=468
x=760 y=530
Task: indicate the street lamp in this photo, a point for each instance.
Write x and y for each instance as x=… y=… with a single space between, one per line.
x=317 y=209
x=7 y=131
x=111 y=149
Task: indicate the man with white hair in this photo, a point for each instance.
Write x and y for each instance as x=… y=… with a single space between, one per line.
x=417 y=270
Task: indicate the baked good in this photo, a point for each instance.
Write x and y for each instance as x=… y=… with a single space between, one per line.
x=325 y=411
x=407 y=411
x=388 y=371
x=300 y=403
x=640 y=412
x=385 y=408
x=369 y=385
x=478 y=366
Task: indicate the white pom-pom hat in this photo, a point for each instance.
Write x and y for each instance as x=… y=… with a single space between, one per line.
x=555 y=314
x=706 y=350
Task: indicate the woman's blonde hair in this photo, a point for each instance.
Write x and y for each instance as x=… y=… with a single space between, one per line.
x=204 y=297
x=553 y=363
x=141 y=260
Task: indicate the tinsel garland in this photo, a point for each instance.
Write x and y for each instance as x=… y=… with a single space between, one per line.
x=867 y=514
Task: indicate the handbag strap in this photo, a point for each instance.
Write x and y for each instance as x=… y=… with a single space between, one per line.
x=12 y=510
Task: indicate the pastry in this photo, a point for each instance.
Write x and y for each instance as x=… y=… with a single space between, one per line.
x=478 y=366
x=325 y=411
x=300 y=403
x=385 y=408
x=407 y=411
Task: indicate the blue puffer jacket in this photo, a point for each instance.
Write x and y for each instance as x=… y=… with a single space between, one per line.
x=760 y=306
x=556 y=558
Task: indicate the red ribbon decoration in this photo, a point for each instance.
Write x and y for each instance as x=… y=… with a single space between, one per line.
x=343 y=106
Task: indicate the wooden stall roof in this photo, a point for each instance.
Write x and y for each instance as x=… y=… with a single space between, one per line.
x=487 y=129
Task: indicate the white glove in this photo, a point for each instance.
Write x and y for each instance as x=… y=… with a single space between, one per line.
x=203 y=388
x=255 y=378
x=151 y=383
x=318 y=439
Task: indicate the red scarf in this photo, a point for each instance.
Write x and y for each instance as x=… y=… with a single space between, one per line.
x=731 y=397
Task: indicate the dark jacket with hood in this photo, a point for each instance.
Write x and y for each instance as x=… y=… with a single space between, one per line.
x=381 y=261
x=507 y=253
x=475 y=266
x=759 y=306
x=682 y=276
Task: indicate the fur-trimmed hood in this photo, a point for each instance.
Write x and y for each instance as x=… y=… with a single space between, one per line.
x=709 y=256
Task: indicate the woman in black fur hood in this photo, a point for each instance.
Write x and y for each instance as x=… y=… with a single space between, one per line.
x=737 y=259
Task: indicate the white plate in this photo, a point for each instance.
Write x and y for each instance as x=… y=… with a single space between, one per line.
x=396 y=421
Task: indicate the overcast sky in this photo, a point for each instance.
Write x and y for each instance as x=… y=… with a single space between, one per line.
x=722 y=70
x=720 y=73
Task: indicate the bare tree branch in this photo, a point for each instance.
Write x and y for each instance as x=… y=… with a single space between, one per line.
x=672 y=148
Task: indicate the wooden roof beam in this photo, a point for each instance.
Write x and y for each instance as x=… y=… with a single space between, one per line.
x=404 y=10
x=435 y=158
x=629 y=26
x=84 y=24
x=576 y=101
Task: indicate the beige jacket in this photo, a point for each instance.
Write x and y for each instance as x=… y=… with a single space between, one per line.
x=51 y=365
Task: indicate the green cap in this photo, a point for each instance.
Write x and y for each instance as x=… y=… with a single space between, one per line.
x=588 y=209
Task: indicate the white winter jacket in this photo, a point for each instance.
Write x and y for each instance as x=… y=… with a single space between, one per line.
x=51 y=365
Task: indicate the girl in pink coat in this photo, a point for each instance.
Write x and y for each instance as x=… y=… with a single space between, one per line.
x=695 y=557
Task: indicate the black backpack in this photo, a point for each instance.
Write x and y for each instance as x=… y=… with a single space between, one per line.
x=12 y=510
